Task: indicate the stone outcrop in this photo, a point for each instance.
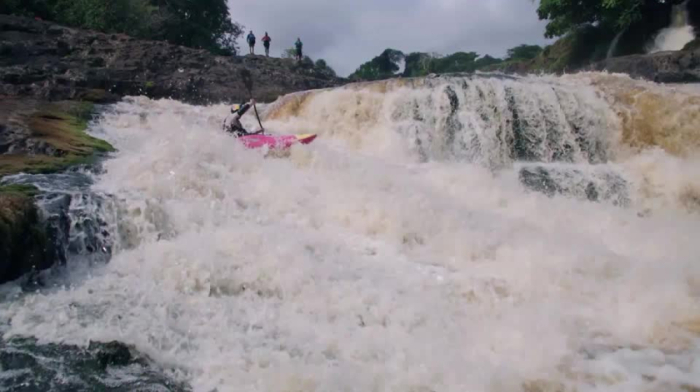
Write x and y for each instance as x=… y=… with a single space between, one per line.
x=663 y=67
x=24 y=243
x=44 y=137
x=52 y=62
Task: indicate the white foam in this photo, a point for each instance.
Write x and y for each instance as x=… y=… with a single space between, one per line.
x=354 y=267
x=678 y=34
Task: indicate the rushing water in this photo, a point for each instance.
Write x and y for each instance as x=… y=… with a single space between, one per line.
x=449 y=234
x=677 y=34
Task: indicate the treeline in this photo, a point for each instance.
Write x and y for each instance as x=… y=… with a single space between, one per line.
x=201 y=24
x=389 y=64
x=587 y=30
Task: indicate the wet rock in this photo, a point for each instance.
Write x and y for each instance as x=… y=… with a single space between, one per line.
x=28 y=366
x=42 y=137
x=24 y=244
x=662 y=67
x=55 y=210
x=111 y=354
x=47 y=61
x=596 y=186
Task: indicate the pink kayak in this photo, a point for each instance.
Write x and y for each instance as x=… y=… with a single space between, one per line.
x=278 y=142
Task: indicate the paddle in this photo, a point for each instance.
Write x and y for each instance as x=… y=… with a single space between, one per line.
x=248 y=82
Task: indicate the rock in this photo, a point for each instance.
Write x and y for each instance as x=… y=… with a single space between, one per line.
x=692 y=45
x=600 y=185
x=24 y=243
x=662 y=67
x=111 y=354
x=43 y=137
x=58 y=224
x=44 y=60
x=29 y=366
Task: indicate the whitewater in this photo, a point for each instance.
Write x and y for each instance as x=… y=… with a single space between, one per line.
x=462 y=233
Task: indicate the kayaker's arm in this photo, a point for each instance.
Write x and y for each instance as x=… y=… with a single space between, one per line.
x=244 y=108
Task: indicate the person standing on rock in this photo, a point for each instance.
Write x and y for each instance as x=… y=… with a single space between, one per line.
x=299 y=46
x=251 y=42
x=266 y=43
x=233 y=125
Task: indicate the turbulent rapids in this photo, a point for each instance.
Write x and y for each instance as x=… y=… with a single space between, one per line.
x=461 y=233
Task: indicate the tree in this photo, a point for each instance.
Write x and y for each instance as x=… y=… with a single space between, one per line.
x=567 y=15
x=381 y=67
x=486 y=61
x=523 y=52
x=204 y=24
x=324 y=68
x=457 y=62
x=290 y=53
x=116 y=16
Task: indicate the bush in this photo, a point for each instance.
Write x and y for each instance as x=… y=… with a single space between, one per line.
x=324 y=68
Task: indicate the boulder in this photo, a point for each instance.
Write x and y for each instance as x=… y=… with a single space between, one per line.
x=661 y=67
x=24 y=242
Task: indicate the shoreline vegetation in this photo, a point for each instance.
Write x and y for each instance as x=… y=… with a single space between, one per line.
x=589 y=35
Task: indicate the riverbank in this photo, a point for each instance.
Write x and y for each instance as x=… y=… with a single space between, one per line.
x=48 y=61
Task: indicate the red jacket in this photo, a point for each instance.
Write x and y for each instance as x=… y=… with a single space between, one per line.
x=266 y=38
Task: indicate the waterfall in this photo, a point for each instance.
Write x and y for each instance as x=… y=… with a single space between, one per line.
x=677 y=35
x=453 y=233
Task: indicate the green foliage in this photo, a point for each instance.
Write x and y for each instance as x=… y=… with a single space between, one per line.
x=381 y=67
x=417 y=64
x=324 y=68
x=290 y=53
x=457 y=62
x=199 y=24
x=19 y=189
x=29 y=8
x=523 y=52
x=573 y=51
x=566 y=15
x=204 y=24
x=486 y=61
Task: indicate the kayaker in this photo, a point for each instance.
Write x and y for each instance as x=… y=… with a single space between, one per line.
x=266 y=43
x=251 y=42
x=233 y=125
x=298 y=45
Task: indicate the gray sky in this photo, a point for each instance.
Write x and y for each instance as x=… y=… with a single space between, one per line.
x=349 y=32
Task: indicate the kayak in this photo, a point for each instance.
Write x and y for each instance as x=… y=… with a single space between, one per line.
x=277 y=142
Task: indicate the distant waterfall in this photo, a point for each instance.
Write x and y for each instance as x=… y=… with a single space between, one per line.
x=677 y=35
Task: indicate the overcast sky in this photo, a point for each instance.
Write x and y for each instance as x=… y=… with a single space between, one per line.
x=349 y=32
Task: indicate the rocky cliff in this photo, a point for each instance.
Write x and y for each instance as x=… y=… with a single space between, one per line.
x=48 y=61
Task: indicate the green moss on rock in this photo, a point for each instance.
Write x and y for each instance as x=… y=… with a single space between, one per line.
x=24 y=244
x=19 y=189
x=62 y=126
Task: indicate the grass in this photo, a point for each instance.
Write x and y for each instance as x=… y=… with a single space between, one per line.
x=19 y=190
x=62 y=126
